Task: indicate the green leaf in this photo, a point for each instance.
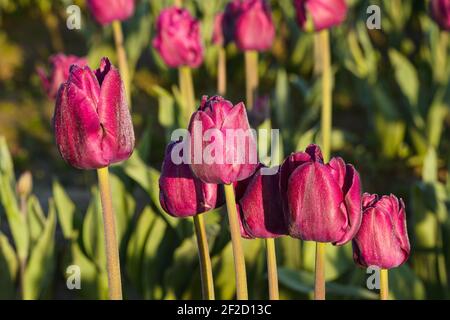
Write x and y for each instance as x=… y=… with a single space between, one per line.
x=65 y=209
x=406 y=76
x=430 y=166
x=35 y=220
x=404 y=284
x=40 y=268
x=9 y=267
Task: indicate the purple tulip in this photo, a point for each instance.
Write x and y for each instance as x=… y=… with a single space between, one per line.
x=382 y=239
x=107 y=11
x=92 y=122
x=178 y=38
x=249 y=23
x=223 y=147
x=322 y=202
x=59 y=73
x=316 y=15
x=180 y=193
x=260 y=206
x=440 y=11
x=218 y=37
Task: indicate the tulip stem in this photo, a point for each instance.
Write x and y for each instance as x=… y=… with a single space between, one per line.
x=112 y=249
x=272 y=269
x=204 y=258
x=251 y=76
x=238 y=252
x=384 y=284
x=187 y=91
x=327 y=112
x=222 y=72
x=122 y=58
x=319 y=288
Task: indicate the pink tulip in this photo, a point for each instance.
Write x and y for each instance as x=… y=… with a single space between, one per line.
x=316 y=15
x=223 y=129
x=92 y=122
x=59 y=73
x=218 y=37
x=107 y=11
x=382 y=239
x=178 y=39
x=260 y=206
x=440 y=11
x=249 y=23
x=322 y=202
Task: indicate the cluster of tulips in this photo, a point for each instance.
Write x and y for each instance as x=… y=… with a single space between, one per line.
x=309 y=196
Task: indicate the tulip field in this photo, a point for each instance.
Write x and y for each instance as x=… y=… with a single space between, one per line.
x=224 y=150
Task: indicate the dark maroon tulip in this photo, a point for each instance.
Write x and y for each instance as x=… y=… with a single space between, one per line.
x=59 y=72
x=440 y=11
x=382 y=239
x=181 y=194
x=107 y=11
x=249 y=23
x=218 y=37
x=178 y=39
x=223 y=147
x=322 y=202
x=316 y=15
x=92 y=122
x=260 y=207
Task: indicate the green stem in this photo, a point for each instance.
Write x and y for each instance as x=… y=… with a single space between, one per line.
x=384 y=285
x=251 y=77
x=122 y=58
x=187 y=91
x=222 y=72
x=319 y=287
x=204 y=258
x=272 y=269
x=112 y=249
x=238 y=252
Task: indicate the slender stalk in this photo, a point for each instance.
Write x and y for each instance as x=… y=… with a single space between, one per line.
x=272 y=269
x=319 y=288
x=187 y=91
x=122 y=58
x=384 y=284
x=178 y=3
x=205 y=260
x=222 y=72
x=238 y=252
x=251 y=76
x=112 y=249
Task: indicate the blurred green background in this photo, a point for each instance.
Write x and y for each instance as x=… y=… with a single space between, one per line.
x=391 y=119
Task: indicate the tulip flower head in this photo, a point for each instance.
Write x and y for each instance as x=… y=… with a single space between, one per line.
x=382 y=239
x=218 y=37
x=316 y=15
x=440 y=12
x=260 y=206
x=181 y=194
x=92 y=122
x=222 y=145
x=249 y=23
x=322 y=202
x=178 y=39
x=59 y=73
x=107 y=11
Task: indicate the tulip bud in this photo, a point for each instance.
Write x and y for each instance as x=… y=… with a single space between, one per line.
x=25 y=184
x=316 y=15
x=322 y=202
x=260 y=207
x=107 y=11
x=92 y=121
x=180 y=193
x=59 y=73
x=440 y=12
x=218 y=37
x=382 y=239
x=249 y=23
x=223 y=147
x=178 y=38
